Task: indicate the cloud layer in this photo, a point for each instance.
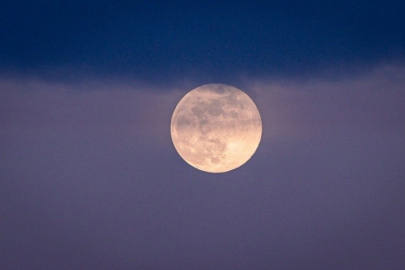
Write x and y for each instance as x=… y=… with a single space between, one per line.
x=91 y=180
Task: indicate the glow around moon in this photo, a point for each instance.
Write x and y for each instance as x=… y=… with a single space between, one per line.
x=216 y=128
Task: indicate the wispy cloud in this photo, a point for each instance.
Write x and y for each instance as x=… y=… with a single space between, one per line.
x=291 y=108
x=126 y=110
x=372 y=101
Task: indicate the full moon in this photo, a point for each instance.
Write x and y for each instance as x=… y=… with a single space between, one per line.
x=216 y=128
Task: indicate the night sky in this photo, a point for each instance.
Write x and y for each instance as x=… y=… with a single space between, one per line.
x=89 y=176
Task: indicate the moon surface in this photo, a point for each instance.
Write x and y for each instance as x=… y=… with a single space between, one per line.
x=216 y=128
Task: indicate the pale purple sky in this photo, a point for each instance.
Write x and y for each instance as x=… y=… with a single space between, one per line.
x=90 y=178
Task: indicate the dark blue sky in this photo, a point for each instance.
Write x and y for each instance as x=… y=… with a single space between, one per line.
x=89 y=177
x=217 y=39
